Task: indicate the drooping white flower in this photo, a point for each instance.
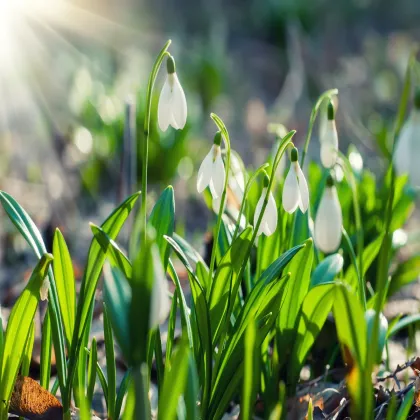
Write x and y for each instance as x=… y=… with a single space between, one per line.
x=269 y=219
x=159 y=299
x=212 y=170
x=329 y=220
x=329 y=140
x=295 y=188
x=172 y=107
x=407 y=148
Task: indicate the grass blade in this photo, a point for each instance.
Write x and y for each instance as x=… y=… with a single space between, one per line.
x=46 y=351
x=18 y=330
x=30 y=232
x=64 y=280
x=111 y=369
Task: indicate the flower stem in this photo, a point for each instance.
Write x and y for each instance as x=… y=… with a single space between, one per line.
x=326 y=95
x=150 y=85
x=226 y=139
x=359 y=227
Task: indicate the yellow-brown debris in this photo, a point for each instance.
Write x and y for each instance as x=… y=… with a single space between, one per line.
x=32 y=401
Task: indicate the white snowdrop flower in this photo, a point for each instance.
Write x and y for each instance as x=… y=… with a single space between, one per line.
x=295 y=188
x=269 y=219
x=159 y=300
x=212 y=170
x=172 y=107
x=329 y=140
x=329 y=220
x=236 y=177
x=408 y=146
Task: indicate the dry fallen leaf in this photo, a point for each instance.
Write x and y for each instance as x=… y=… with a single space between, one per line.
x=33 y=402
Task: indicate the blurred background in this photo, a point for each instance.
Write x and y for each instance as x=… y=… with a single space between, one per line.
x=67 y=69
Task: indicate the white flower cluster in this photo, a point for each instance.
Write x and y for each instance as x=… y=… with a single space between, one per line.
x=295 y=194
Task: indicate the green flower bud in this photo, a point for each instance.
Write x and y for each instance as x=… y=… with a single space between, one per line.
x=294 y=156
x=170 y=65
x=331 y=111
x=266 y=180
x=217 y=138
x=330 y=181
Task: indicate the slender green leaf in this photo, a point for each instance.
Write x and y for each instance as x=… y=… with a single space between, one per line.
x=315 y=309
x=111 y=369
x=406 y=405
x=115 y=255
x=226 y=281
x=64 y=280
x=117 y=297
x=369 y=254
x=122 y=391
x=171 y=329
x=251 y=372
x=18 y=330
x=46 y=351
x=296 y=290
x=403 y=323
x=30 y=232
x=95 y=260
x=327 y=270
x=185 y=310
x=162 y=219
x=93 y=361
x=192 y=391
x=174 y=383
x=27 y=354
x=350 y=321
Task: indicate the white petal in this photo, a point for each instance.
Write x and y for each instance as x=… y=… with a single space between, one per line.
x=205 y=172
x=236 y=177
x=264 y=228
x=217 y=176
x=270 y=216
x=323 y=120
x=303 y=189
x=43 y=292
x=179 y=103
x=172 y=121
x=291 y=194
x=328 y=222
x=164 y=106
x=159 y=301
x=257 y=212
x=329 y=145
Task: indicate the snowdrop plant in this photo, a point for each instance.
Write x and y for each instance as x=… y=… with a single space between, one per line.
x=295 y=188
x=329 y=139
x=212 y=170
x=329 y=219
x=268 y=222
x=172 y=107
x=408 y=145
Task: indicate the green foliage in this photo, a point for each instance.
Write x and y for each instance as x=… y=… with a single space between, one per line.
x=249 y=319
